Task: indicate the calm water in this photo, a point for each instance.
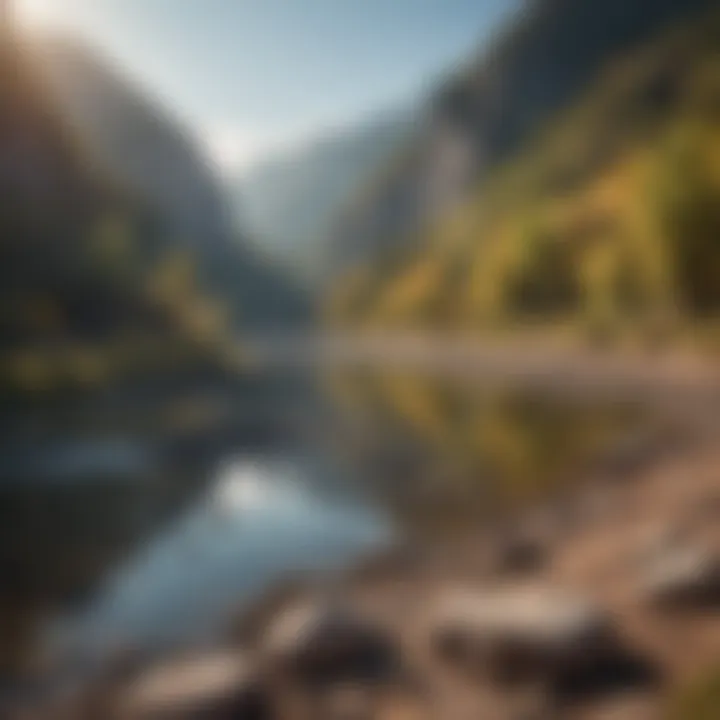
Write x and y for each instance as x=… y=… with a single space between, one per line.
x=168 y=557
x=259 y=520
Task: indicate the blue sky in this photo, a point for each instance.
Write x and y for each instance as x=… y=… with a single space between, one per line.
x=254 y=76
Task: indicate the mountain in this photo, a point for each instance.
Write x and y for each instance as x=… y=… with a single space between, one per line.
x=290 y=202
x=564 y=173
x=92 y=288
x=116 y=258
x=484 y=113
x=133 y=139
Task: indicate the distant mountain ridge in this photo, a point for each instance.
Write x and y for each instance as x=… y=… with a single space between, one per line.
x=291 y=202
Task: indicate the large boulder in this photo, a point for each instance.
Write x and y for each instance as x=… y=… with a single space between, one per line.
x=321 y=644
x=521 y=633
x=220 y=685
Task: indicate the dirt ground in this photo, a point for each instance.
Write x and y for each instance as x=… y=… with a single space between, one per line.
x=594 y=544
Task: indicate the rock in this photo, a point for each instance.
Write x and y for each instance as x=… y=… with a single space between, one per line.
x=319 y=644
x=220 y=685
x=248 y=627
x=636 y=452
x=682 y=577
x=531 y=703
x=521 y=634
x=627 y=707
x=520 y=553
x=398 y=561
x=706 y=508
x=655 y=542
x=594 y=505
x=351 y=702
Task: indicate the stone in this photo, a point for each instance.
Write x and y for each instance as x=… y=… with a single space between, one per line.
x=521 y=633
x=319 y=644
x=655 y=542
x=351 y=702
x=634 y=453
x=682 y=577
x=520 y=553
x=220 y=685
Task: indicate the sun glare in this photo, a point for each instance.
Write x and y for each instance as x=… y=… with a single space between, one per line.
x=37 y=12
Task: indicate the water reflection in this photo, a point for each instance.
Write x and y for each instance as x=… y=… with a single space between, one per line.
x=166 y=559
x=261 y=520
x=444 y=450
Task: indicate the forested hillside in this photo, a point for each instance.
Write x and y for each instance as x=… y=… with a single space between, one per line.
x=605 y=217
x=140 y=144
x=99 y=281
x=488 y=109
x=91 y=286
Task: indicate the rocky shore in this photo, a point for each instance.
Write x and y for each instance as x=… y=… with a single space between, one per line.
x=604 y=603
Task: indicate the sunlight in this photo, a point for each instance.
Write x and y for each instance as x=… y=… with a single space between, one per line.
x=243 y=486
x=232 y=150
x=37 y=12
x=235 y=148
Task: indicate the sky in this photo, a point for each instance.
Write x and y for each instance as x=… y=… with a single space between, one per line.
x=253 y=77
